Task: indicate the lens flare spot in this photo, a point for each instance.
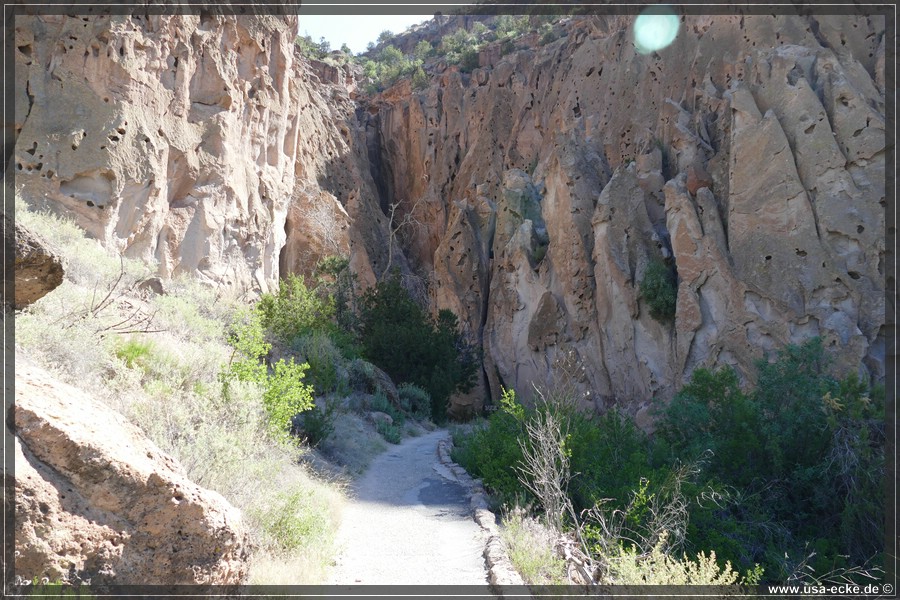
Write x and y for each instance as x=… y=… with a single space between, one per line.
x=655 y=28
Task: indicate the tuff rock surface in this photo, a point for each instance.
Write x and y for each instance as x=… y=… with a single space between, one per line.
x=97 y=502
x=38 y=268
x=749 y=156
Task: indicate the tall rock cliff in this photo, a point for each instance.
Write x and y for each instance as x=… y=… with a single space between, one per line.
x=199 y=142
x=749 y=154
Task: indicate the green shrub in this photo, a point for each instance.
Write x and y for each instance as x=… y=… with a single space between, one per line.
x=295 y=309
x=492 y=453
x=134 y=352
x=659 y=290
x=415 y=400
x=391 y=433
x=292 y=520
x=285 y=394
x=798 y=460
x=316 y=424
x=400 y=338
x=319 y=351
x=380 y=403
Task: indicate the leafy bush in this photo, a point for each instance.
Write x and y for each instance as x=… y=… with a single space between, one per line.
x=380 y=403
x=400 y=338
x=492 y=452
x=798 y=460
x=295 y=309
x=285 y=394
x=391 y=433
x=659 y=290
x=415 y=400
x=319 y=351
x=290 y=521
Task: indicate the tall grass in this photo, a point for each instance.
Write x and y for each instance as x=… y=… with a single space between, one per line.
x=160 y=369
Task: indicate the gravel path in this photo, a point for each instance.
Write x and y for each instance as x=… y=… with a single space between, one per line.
x=409 y=522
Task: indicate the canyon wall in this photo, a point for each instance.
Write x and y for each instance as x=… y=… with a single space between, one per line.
x=749 y=155
x=198 y=142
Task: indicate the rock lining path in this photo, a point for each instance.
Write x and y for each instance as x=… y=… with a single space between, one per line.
x=409 y=521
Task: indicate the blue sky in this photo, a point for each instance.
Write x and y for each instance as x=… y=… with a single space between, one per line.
x=355 y=30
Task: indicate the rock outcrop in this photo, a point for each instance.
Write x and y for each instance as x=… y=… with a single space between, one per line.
x=97 y=502
x=199 y=142
x=749 y=155
x=38 y=269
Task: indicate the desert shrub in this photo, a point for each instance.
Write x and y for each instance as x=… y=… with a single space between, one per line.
x=659 y=290
x=411 y=347
x=380 y=403
x=391 y=433
x=295 y=309
x=319 y=351
x=415 y=400
x=530 y=546
x=315 y=425
x=291 y=520
x=353 y=444
x=628 y=567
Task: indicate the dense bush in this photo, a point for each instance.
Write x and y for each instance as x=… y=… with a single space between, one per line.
x=782 y=481
x=398 y=336
x=285 y=394
x=295 y=309
x=319 y=352
x=659 y=290
x=415 y=400
x=799 y=461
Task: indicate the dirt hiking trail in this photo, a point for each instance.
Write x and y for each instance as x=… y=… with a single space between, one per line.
x=409 y=522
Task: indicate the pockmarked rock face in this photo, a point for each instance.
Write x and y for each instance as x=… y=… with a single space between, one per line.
x=38 y=268
x=748 y=156
x=97 y=502
x=202 y=143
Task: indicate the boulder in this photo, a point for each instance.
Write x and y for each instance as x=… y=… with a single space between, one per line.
x=98 y=502
x=39 y=269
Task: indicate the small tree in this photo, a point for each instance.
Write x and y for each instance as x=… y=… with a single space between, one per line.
x=397 y=335
x=659 y=289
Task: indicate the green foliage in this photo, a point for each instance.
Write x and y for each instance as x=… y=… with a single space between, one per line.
x=310 y=49
x=400 y=338
x=292 y=520
x=391 y=433
x=423 y=50
x=317 y=424
x=492 y=452
x=295 y=309
x=380 y=403
x=799 y=460
x=628 y=567
x=415 y=400
x=134 y=352
x=284 y=393
x=389 y=65
x=319 y=351
x=659 y=290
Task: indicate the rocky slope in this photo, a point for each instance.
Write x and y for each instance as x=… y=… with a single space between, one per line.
x=750 y=154
x=97 y=502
